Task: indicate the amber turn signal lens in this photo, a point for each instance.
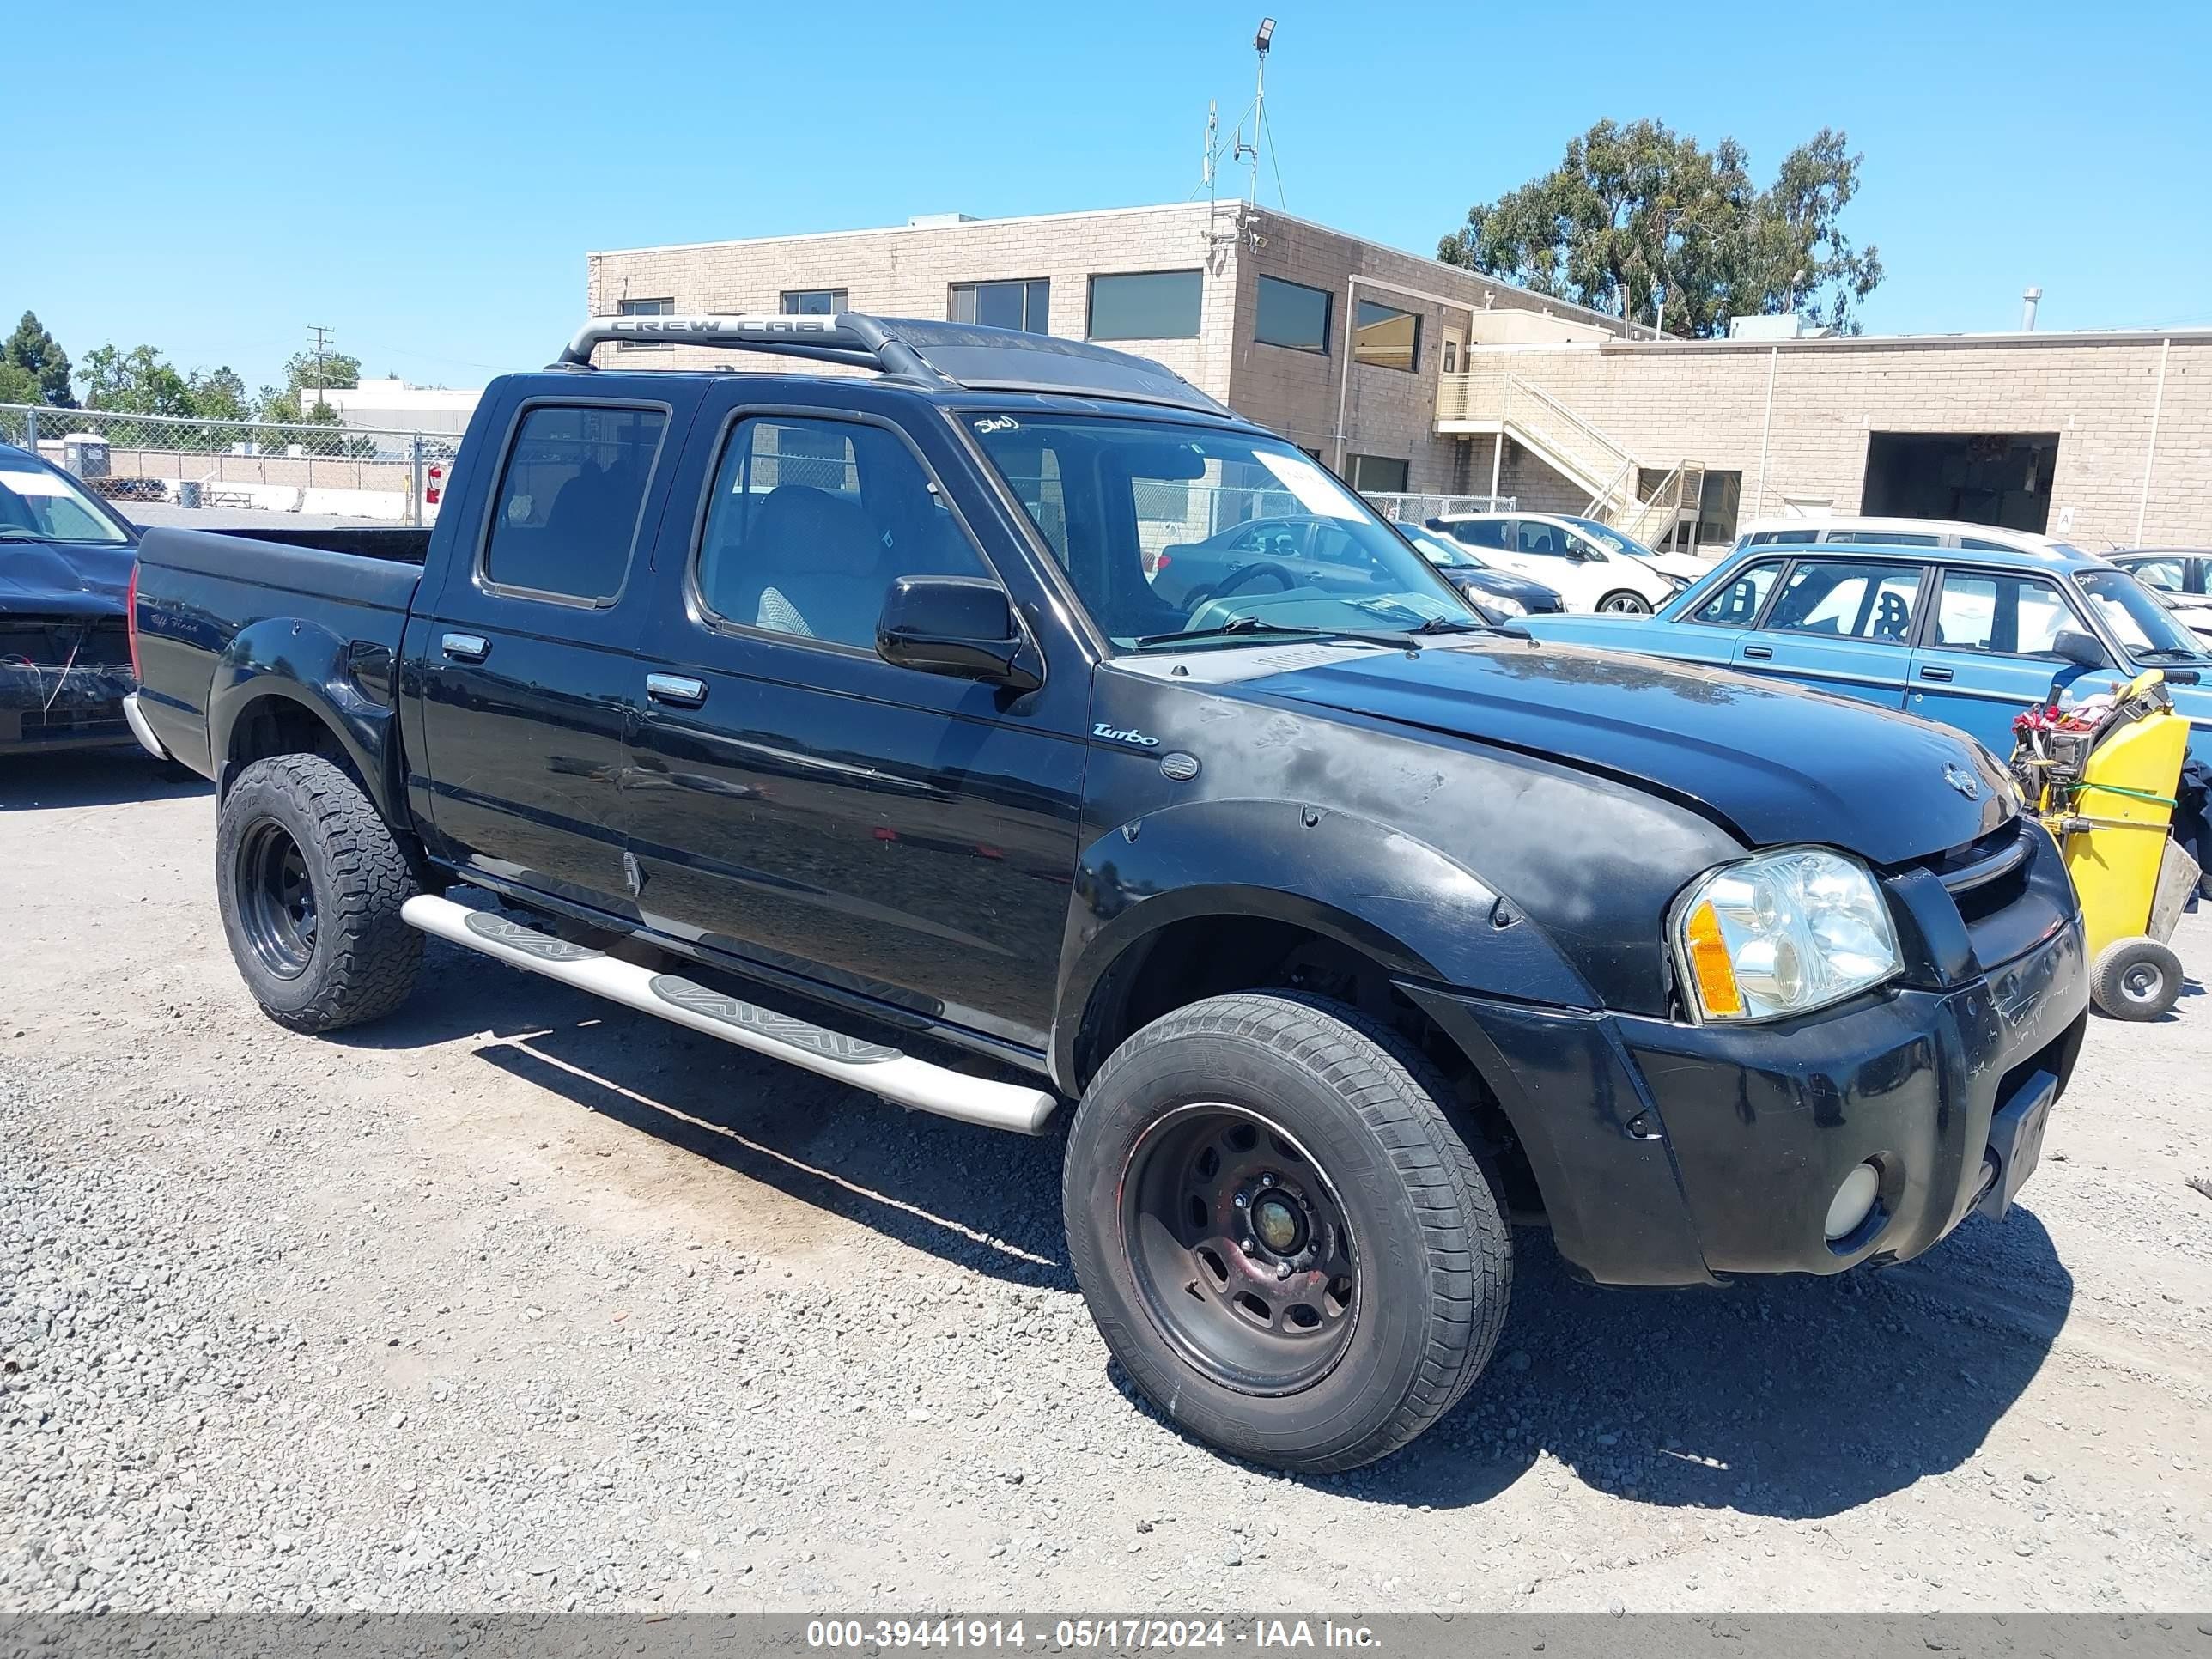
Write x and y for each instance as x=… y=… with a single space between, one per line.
x=1718 y=994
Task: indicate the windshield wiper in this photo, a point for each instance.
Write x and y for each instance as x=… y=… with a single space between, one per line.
x=1453 y=625
x=2170 y=654
x=1258 y=625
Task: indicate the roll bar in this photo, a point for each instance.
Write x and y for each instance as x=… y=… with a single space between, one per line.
x=940 y=355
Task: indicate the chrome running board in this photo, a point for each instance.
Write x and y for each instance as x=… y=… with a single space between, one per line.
x=896 y=1076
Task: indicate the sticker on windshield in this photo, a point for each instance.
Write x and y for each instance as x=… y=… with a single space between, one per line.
x=992 y=424
x=1317 y=491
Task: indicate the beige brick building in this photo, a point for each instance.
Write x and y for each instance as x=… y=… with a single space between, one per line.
x=1407 y=375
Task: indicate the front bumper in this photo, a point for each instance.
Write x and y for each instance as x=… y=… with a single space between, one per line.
x=62 y=706
x=1671 y=1154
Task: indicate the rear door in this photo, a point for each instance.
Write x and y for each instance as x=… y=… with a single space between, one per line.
x=1985 y=653
x=522 y=660
x=1840 y=624
x=798 y=801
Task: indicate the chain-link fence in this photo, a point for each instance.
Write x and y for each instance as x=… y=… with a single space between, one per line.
x=1419 y=509
x=271 y=466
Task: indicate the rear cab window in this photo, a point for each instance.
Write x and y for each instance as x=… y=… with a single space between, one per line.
x=564 y=519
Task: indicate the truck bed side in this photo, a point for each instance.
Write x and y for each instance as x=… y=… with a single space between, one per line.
x=242 y=640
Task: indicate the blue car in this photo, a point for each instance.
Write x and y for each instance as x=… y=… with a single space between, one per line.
x=1968 y=637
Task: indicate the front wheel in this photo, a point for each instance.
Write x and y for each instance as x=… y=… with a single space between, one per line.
x=2135 y=979
x=1283 y=1239
x=310 y=882
x=1623 y=602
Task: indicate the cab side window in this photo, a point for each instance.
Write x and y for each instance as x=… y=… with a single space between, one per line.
x=2167 y=575
x=2004 y=616
x=564 y=517
x=811 y=520
x=1737 y=605
x=1849 y=600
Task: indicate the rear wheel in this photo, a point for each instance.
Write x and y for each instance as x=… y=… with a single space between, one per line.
x=1623 y=602
x=2135 y=979
x=310 y=882
x=1283 y=1239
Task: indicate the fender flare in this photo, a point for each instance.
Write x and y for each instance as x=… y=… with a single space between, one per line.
x=304 y=663
x=1413 y=909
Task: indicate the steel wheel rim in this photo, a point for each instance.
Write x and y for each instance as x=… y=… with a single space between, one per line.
x=1273 y=1319
x=276 y=898
x=2142 y=982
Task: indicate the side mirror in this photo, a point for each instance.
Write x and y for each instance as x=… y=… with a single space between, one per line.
x=2081 y=649
x=963 y=626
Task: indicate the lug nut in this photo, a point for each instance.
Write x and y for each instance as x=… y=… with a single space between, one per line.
x=1243 y=1201
x=1266 y=1180
x=1282 y=1270
x=1247 y=1247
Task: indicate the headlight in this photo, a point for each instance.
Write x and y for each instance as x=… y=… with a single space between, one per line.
x=1781 y=934
x=1504 y=606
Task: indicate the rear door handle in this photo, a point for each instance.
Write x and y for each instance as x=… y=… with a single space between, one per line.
x=1930 y=672
x=465 y=647
x=1759 y=652
x=680 y=689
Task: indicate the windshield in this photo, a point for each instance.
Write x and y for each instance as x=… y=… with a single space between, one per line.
x=1605 y=535
x=1441 y=551
x=1169 y=530
x=39 y=505
x=2143 y=626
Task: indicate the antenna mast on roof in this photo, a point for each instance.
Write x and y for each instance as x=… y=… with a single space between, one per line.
x=1249 y=153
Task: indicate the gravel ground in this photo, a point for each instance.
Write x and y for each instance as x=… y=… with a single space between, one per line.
x=518 y=1301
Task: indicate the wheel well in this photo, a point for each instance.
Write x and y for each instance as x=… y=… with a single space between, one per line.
x=1201 y=957
x=278 y=725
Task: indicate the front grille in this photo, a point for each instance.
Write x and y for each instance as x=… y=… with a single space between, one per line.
x=1989 y=874
x=2006 y=906
x=50 y=642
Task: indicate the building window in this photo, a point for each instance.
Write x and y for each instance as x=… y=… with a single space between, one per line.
x=646 y=308
x=1720 y=500
x=1023 y=305
x=1378 y=475
x=1157 y=305
x=1386 y=336
x=1451 y=356
x=813 y=301
x=1292 y=314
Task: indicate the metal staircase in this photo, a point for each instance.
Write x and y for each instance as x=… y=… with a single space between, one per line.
x=1495 y=400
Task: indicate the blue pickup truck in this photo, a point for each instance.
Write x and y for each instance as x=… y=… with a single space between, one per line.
x=1968 y=637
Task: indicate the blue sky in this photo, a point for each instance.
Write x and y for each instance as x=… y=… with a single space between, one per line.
x=426 y=181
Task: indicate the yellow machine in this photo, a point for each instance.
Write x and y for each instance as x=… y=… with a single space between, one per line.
x=2103 y=781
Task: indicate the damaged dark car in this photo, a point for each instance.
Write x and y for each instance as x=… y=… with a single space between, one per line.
x=65 y=564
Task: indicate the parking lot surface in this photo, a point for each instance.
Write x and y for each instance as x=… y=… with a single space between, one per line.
x=522 y=1301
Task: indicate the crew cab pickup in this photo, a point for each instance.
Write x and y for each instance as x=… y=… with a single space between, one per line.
x=839 y=717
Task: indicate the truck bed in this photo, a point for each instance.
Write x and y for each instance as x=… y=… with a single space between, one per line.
x=318 y=605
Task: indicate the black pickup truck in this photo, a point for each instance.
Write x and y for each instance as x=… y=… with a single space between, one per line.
x=839 y=717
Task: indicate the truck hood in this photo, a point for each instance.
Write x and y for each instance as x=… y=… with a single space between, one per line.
x=1775 y=764
x=46 y=580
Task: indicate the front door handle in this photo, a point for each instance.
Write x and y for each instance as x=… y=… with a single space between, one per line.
x=1930 y=672
x=680 y=689
x=1759 y=652
x=465 y=647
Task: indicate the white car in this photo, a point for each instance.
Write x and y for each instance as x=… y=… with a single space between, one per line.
x=2180 y=576
x=1552 y=549
x=1897 y=533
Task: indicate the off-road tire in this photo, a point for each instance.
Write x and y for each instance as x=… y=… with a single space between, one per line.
x=2135 y=979
x=1435 y=1253
x=363 y=959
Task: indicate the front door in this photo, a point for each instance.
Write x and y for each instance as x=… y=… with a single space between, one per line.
x=798 y=801
x=1842 y=625
x=1986 y=653
x=525 y=683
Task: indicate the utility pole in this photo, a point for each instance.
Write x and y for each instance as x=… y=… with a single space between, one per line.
x=321 y=335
